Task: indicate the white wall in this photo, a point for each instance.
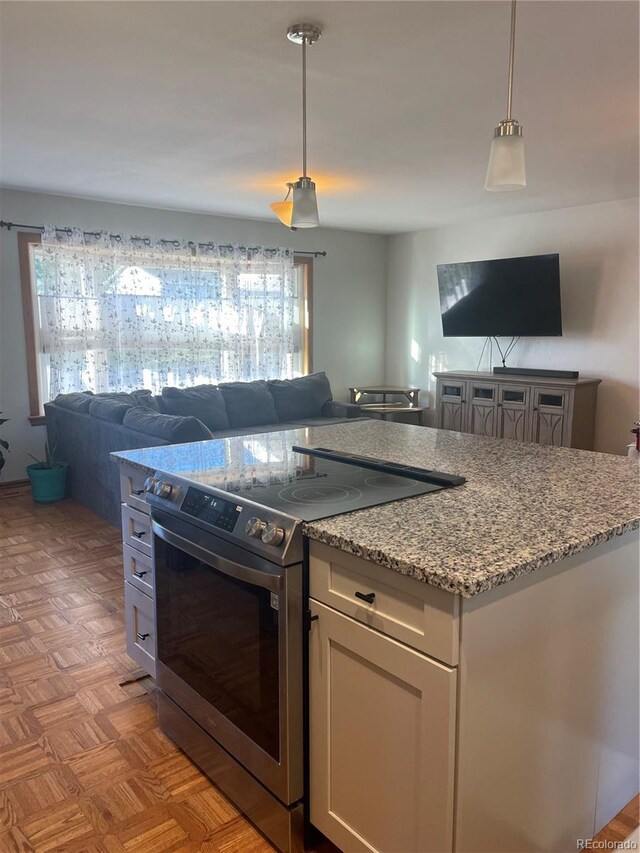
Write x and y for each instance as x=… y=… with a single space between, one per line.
x=349 y=293
x=598 y=246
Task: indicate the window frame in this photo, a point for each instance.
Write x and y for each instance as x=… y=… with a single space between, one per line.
x=27 y=239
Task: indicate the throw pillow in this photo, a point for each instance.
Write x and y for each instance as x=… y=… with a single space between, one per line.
x=142 y=398
x=109 y=410
x=204 y=402
x=303 y=397
x=173 y=428
x=77 y=401
x=249 y=403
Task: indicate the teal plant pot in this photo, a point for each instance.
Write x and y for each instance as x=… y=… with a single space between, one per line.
x=48 y=484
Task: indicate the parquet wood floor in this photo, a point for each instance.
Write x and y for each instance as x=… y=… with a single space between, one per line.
x=84 y=767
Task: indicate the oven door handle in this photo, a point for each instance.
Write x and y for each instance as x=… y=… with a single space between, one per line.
x=266 y=580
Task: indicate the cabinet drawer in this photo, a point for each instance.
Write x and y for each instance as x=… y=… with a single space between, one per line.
x=422 y=616
x=136 y=529
x=138 y=569
x=139 y=621
x=132 y=487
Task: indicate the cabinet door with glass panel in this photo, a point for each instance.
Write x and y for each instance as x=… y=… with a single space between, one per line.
x=550 y=416
x=482 y=408
x=513 y=420
x=452 y=405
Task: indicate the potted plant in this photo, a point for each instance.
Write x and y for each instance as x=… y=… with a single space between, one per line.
x=48 y=477
x=4 y=445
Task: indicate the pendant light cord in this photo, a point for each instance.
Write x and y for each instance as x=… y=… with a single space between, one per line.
x=512 y=46
x=304 y=107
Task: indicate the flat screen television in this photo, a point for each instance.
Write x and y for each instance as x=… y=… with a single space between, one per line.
x=509 y=296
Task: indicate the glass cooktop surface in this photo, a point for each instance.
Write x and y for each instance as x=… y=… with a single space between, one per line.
x=310 y=488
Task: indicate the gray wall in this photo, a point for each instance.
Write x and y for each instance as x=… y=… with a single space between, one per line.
x=349 y=293
x=598 y=246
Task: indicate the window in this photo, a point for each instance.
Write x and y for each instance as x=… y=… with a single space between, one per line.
x=114 y=320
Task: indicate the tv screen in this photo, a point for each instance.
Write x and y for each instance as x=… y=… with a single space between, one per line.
x=508 y=296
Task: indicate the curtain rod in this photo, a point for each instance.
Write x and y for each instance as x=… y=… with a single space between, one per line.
x=147 y=240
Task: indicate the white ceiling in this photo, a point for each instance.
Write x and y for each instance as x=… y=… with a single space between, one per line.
x=196 y=105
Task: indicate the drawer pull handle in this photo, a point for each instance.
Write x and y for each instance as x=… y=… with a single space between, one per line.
x=137 y=492
x=369 y=597
x=138 y=574
x=138 y=533
x=141 y=636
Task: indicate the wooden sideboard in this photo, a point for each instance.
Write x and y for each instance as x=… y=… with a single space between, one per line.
x=527 y=408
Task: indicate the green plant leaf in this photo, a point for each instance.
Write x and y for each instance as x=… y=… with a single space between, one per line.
x=3 y=421
x=4 y=444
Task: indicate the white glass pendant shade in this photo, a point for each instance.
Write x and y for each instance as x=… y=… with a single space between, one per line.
x=305 y=205
x=506 y=171
x=283 y=210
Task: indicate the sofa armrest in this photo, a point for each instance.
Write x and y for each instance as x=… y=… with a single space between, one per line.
x=333 y=409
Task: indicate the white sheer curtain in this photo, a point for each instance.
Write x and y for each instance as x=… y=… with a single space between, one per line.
x=120 y=313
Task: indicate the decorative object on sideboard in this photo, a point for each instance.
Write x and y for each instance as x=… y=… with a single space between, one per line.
x=633 y=449
x=529 y=371
x=506 y=170
x=48 y=477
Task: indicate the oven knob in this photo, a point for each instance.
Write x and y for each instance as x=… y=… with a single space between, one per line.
x=254 y=527
x=163 y=490
x=273 y=535
x=149 y=484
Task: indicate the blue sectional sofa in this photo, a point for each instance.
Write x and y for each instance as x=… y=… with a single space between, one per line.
x=84 y=428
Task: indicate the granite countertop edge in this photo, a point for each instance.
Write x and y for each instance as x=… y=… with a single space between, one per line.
x=467 y=586
x=523 y=506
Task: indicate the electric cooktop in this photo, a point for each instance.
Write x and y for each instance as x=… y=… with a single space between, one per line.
x=318 y=483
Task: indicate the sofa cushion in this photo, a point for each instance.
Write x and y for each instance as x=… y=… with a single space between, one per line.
x=204 y=402
x=249 y=403
x=109 y=410
x=142 y=398
x=173 y=428
x=303 y=397
x=78 y=401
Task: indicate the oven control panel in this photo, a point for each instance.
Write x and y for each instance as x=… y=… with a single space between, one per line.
x=213 y=510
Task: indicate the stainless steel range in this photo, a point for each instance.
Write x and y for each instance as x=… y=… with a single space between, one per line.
x=227 y=549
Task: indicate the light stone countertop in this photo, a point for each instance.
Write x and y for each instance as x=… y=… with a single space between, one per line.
x=523 y=506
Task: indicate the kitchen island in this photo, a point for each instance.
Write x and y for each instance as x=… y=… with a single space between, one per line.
x=486 y=697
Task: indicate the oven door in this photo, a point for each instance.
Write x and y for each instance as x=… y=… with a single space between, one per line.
x=229 y=648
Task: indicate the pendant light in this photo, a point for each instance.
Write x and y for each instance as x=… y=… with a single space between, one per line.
x=304 y=213
x=284 y=209
x=506 y=170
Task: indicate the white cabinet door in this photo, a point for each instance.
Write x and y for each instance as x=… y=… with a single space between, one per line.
x=382 y=725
